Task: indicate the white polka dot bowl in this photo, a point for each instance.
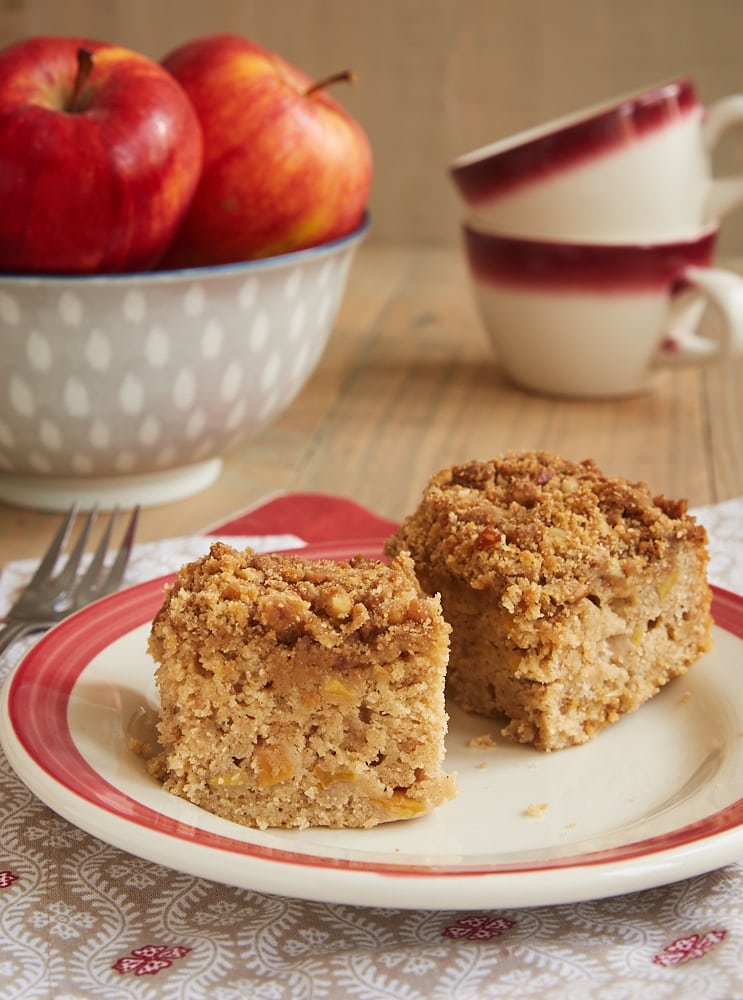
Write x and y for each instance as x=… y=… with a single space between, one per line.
x=125 y=389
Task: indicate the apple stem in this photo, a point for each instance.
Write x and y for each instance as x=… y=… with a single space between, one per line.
x=84 y=69
x=345 y=76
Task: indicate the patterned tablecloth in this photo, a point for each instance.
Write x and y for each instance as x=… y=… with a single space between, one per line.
x=79 y=918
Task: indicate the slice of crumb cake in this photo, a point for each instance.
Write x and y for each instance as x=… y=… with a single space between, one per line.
x=300 y=693
x=573 y=597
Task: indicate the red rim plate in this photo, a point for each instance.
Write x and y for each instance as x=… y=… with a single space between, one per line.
x=39 y=691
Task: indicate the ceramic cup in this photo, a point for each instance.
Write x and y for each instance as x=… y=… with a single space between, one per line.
x=597 y=319
x=638 y=164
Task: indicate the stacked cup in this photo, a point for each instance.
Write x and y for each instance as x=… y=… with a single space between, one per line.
x=590 y=243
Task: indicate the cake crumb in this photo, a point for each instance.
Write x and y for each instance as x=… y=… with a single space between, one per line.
x=536 y=809
x=140 y=747
x=483 y=742
x=685 y=697
x=481 y=765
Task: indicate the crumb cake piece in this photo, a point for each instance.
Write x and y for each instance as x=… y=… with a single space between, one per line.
x=573 y=597
x=298 y=692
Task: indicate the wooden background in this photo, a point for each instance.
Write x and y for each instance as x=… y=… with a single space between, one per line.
x=439 y=77
x=409 y=383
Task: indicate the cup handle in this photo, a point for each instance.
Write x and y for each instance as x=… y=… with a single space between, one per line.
x=725 y=192
x=703 y=286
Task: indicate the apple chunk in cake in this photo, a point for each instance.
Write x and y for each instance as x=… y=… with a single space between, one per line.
x=298 y=692
x=573 y=597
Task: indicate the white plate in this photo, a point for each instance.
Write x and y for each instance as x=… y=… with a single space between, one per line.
x=654 y=798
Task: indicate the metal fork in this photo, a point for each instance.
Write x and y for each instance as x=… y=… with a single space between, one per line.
x=48 y=598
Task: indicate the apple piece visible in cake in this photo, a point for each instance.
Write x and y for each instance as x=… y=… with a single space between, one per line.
x=298 y=692
x=573 y=597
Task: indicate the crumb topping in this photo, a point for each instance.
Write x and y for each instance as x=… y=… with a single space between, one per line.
x=290 y=600
x=535 y=528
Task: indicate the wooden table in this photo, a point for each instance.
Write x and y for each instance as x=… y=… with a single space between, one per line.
x=409 y=385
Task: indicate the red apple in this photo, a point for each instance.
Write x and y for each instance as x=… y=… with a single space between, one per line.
x=100 y=153
x=285 y=165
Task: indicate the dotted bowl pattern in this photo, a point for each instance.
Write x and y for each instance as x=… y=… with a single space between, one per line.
x=135 y=374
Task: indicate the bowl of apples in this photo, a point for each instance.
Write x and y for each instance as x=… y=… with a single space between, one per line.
x=175 y=249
